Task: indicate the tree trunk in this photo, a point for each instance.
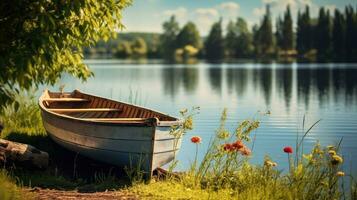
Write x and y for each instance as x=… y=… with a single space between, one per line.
x=23 y=154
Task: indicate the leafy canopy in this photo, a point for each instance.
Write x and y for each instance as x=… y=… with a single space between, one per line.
x=39 y=40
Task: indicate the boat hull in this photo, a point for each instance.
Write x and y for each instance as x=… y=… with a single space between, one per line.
x=127 y=145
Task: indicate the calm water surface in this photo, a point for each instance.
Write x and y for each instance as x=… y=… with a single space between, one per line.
x=289 y=91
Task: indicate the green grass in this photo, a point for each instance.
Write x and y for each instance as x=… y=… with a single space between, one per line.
x=9 y=190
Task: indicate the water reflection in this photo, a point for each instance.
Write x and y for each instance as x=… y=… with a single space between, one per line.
x=215 y=78
x=284 y=83
x=237 y=80
x=311 y=83
x=174 y=78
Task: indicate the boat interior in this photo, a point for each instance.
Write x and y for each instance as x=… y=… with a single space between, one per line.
x=84 y=106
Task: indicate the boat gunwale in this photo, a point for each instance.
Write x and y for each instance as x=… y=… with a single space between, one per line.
x=145 y=122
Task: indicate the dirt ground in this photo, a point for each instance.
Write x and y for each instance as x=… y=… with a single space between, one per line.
x=47 y=194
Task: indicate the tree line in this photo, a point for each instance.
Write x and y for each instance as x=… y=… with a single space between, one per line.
x=329 y=36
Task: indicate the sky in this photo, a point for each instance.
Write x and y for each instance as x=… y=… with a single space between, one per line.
x=148 y=15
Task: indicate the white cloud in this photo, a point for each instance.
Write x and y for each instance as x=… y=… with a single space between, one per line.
x=228 y=9
x=229 y=6
x=204 y=18
x=278 y=7
x=206 y=12
x=180 y=12
x=259 y=11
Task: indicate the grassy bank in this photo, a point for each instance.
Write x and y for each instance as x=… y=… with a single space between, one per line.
x=224 y=173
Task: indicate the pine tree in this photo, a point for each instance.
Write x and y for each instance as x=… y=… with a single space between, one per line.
x=214 y=44
x=287 y=42
x=231 y=39
x=279 y=32
x=244 y=46
x=323 y=34
x=266 y=34
x=305 y=33
x=351 y=32
x=256 y=40
x=339 y=35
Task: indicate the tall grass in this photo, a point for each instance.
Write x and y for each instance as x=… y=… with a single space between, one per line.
x=8 y=188
x=22 y=116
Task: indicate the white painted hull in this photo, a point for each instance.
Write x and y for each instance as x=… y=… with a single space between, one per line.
x=127 y=144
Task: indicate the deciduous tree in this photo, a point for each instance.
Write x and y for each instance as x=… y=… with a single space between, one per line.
x=39 y=40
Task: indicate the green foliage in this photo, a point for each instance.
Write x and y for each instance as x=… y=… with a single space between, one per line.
x=287 y=30
x=339 y=34
x=351 y=32
x=123 y=50
x=304 y=40
x=139 y=47
x=40 y=40
x=244 y=46
x=189 y=35
x=230 y=39
x=238 y=40
x=323 y=34
x=8 y=188
x=214 y=44
x=23 y=115
x=168 y=38
x=265 y=45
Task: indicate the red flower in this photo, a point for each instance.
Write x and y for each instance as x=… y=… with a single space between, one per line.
x=228 y=147
x=288 y=149
x=246 y=151
x=196 y=139
x=238 y=145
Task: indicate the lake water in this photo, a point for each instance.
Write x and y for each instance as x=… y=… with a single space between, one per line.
x=288 y=91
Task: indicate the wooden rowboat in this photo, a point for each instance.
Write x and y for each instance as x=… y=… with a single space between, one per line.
x=110 y=131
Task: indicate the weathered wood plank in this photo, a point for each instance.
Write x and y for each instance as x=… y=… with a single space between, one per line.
x=114 y=119
x=66 y=100
x=84 y=110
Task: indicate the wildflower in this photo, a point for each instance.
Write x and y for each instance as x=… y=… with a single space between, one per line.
x=270 y=163
x=332 y=152
x=227 y=147
x=223 y=134
x=330 y=147
x=246 y=151
x=183 y=111
x=336 y=159
x=188 y=124
x=196 y=139
x=340 y=173
x=307 y=156
x=288 y=149
x=238 y=145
